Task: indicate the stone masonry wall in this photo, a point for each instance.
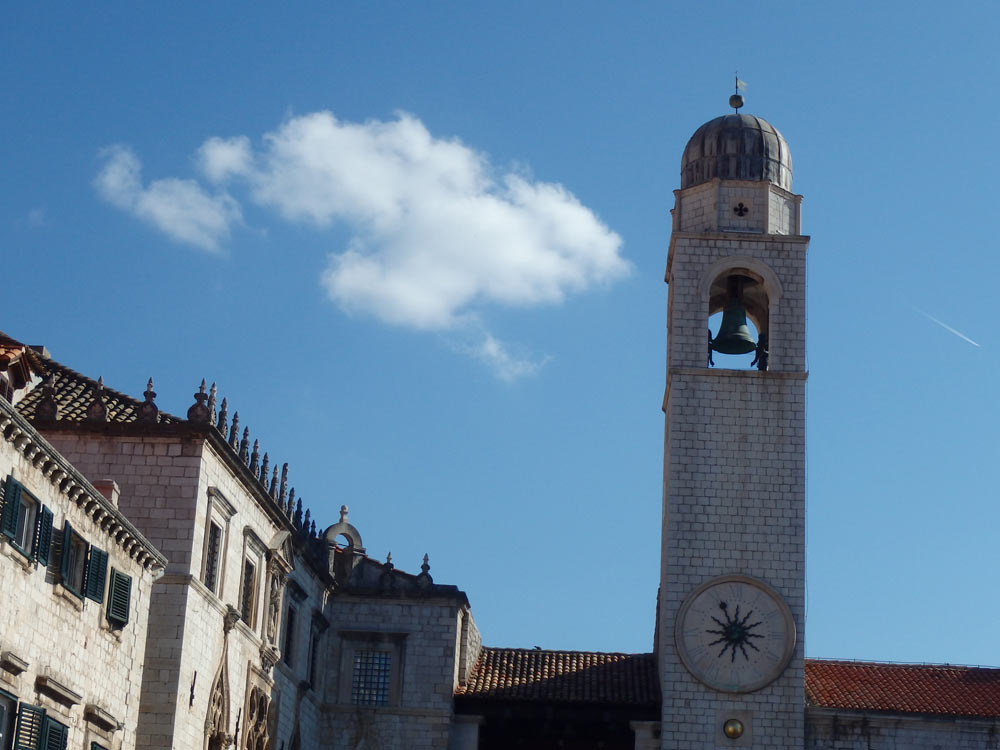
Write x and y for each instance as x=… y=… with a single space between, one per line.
x=829 y=730
x=159 y=488
x=67 y=638
x=420 y=719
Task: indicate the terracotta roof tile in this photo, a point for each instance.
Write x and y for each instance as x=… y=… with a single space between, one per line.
x=75 y=392
x=631 y=679
x=563 y=676
x=940 y=689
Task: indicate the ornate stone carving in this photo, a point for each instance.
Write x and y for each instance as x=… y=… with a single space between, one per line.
x=198 y=411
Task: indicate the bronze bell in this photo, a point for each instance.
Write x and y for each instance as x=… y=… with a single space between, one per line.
x=734 y=336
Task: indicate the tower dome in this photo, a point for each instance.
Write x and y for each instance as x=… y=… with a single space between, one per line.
x=737 y=147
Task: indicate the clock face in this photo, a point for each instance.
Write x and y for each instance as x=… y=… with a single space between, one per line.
x=735 y=634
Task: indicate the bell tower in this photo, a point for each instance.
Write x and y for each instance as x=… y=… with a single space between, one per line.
x=732 y=579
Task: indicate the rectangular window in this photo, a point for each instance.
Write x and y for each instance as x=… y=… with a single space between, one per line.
x=25 y=530
x=25 y=521
x=119 y=598
x=212 y=556
x=313 y=658
x=248 y=593
x=74 y=560
x=370 y=678
x=7 y=713
x=289 y=633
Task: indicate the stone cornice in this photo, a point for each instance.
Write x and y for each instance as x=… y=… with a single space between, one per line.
x=16 y=430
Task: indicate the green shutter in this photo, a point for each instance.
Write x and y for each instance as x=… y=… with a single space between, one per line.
x=54 y=735
x=67 y=540
x=29 y=727
x=43 y=536
x=11 y=507
x=97 y=568
x=119 y=596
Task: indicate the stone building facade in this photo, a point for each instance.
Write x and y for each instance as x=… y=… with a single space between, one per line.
x=166 y=588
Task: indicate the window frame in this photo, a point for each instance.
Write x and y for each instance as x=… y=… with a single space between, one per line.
x=219 y=512
x=354 y=643
x=250 y=586
x=28 y=528
x=74 y=561
x=7 y=732
x=288 y=635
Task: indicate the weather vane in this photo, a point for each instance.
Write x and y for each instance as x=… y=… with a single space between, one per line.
x=736 y=100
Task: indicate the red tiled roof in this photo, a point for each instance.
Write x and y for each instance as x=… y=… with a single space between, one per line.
x=563 y=676
x=903 y=688
x=507 y=674
x=75 y=392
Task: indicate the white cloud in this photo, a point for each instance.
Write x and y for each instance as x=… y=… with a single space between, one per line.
x=36 y=217
x=181 y=209
x=434 y=233
x=437 y=232
x=502 y=362
x=222 y=158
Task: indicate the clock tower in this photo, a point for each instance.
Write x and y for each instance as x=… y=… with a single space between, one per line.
x=732 y=579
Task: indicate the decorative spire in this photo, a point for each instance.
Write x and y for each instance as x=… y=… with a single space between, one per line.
x=234 y=432
x=297 y=518
x=291 y=503
x=343 y=513
x=255 y=458
x=388 y=561
x=211 y=405
x=199 y=413
x=148 y=411
x=283 y=487
x=265 y=464
x=220 y=423
x=305 y=522
x=312 y=530
x=47 y=408
x=424 y=580
x=273 y=489
x=245 y=445
x=97 y=410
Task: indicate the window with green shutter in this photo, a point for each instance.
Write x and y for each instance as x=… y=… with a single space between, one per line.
x=43 y=536
x=73 y=566
x=54 y=735
x=28 y=734
x=11 y=499
x=97 y=570
x=119 y=597
x=97 y=746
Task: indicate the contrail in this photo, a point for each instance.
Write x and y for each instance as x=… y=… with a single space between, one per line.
x=947 y=327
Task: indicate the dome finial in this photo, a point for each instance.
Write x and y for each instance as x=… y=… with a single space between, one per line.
x=736 y=100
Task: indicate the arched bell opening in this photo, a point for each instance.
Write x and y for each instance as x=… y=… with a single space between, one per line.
x=738 y=320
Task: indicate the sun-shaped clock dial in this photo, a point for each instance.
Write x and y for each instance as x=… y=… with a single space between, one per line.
x=735 y=632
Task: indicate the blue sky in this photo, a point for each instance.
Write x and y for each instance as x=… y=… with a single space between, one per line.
x=420 y=247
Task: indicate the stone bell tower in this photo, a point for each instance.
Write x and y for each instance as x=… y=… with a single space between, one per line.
x=732 y=577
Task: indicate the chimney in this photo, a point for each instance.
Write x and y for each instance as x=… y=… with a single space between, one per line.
x=109 y=488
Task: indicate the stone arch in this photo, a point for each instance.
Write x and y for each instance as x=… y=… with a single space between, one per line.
x=760 y=292
x=341 y=562
x=217 y=718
